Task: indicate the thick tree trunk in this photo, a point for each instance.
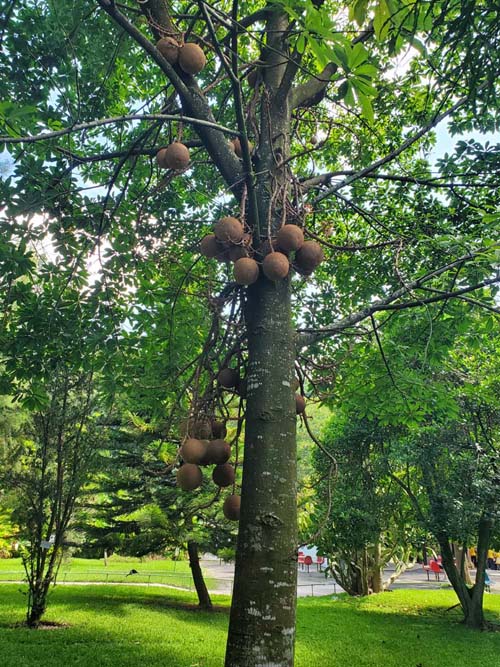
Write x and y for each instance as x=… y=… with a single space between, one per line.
x=261 y=630
x=199 y=582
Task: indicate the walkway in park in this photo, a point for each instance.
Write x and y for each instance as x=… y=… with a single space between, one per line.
x=221 y=576
x=314 y=582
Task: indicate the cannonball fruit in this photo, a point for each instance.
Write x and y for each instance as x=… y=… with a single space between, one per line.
x=228 y=377
x=193 y=450
x=189 y=477
x=219 y=429
x=218 y=451
x=206 y=460
x=231 y=508
x=169 y=49
x=246 y=271
x=191 y=58
x=290 y=237
x=160 y=158
x=209 y=247
x=300 y=404
x=223 y=475
x=275 y=266
x=229 y=230
x=203 y=428
x=236 y=144
x=309 y=256
x=175 y=156
x=236 y=252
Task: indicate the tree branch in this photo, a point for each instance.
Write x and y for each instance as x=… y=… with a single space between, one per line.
x=194 y=103
x=393 y=154
x=45 y=136
x=312 y=91
x=324 y=179
x=309 y=337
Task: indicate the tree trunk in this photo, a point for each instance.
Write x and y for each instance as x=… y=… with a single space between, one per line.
x=262 y=623
x=475 y=617
x=377 y=584
x=36 y=607
x=204 y=600
x=471 y=599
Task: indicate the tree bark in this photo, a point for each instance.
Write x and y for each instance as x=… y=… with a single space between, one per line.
x=204 y=600
x=377 y=584
x=262 y=623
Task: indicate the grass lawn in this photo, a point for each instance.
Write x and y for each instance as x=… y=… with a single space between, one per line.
x=125 y=627
x=174 y=573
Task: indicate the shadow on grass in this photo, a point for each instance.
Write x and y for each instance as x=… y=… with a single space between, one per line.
x=119 y=631
x=390 y=630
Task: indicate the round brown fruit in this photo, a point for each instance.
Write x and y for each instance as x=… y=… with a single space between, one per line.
x=191 y=58
x=209 y=247
x=189 y=477
x=290 y=237
x=275 y=266
x=228 y=377
x=203 y=428
x=219 y=429
x=206 y=460
x=236 y=144
x=193 y=450
x=223 y=475
x=231 y=508
x=309 y=256
x=160 y=158
x=246 y=271
x=229 y=230
x=218 y=451
x=169 y=49
x=176 y=156
x=237 y=252
x=300 y=404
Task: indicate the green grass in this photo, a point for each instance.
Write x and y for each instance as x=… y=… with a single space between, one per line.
x=126 y=627
x=173 y=573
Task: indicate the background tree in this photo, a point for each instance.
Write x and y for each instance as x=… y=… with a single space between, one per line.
x=362 y=519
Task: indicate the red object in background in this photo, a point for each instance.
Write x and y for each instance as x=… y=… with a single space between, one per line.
x=308 y=561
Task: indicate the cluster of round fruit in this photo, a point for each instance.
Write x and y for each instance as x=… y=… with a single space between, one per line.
x=198 y=450
x=188 y=56
x=230 y=242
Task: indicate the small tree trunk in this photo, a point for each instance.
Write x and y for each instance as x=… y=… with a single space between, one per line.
x=204 y=600
x=377 y=584
x=37 y=603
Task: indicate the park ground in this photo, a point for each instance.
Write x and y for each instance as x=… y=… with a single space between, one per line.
x=118 y=626
x=107 y=624
x=112 y=625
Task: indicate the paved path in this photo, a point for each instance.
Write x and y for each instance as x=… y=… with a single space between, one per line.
x=312 y=583
x=315 y=583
